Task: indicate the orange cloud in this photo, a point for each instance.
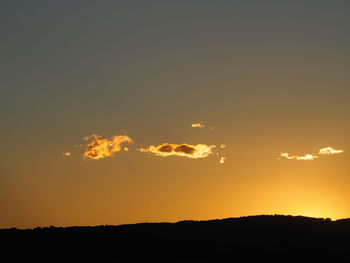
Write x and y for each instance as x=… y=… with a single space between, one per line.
x=329 y=151
x=184 y=150
x=306 y=157
x=67 y=154
x=101 y=148
x=222 y=160
x=323 y=151
x=197 y=125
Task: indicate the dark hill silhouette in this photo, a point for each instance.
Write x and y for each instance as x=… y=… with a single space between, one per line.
x=246 y=239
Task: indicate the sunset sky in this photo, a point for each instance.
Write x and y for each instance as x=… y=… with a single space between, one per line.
x=115 y=112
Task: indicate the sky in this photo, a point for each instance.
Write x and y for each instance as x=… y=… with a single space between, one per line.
x=115 y=112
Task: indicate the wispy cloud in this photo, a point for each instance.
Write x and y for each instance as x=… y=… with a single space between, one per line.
x=197 y=125
x=222 y=160
x=99 y=148
x=305 y=157
x=67 y=154
x=329 y=151
x=323 y=151
x=183 y=150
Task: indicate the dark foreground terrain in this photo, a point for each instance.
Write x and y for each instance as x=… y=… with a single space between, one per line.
x=247 y=239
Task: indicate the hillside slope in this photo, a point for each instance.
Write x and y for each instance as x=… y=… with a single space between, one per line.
x=246 y=239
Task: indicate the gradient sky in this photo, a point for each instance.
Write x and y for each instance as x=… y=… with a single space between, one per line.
x=269 y=76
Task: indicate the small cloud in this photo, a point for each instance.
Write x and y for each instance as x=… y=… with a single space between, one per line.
x=197 y=125
x=323 y=151
x=183 y=150
x=99 y=148
x=222 y=146
x=305 y=157
x=67 y=154
x=222 y=160
x=329 y=151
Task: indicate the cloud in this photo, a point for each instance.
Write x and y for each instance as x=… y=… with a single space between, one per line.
x=67 y=154
x=197 y=125
x=99 y=148
x=183 y=150
x=323 y=151
x=305 y=157
x=222 y=146
x=329 y=151
x=222 y=160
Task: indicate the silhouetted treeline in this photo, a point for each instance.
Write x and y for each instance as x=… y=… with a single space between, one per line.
x=247 y=239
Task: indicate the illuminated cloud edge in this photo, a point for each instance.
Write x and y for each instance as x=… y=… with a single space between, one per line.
x=183 y=150
x=324 y=151
x=99 y=148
